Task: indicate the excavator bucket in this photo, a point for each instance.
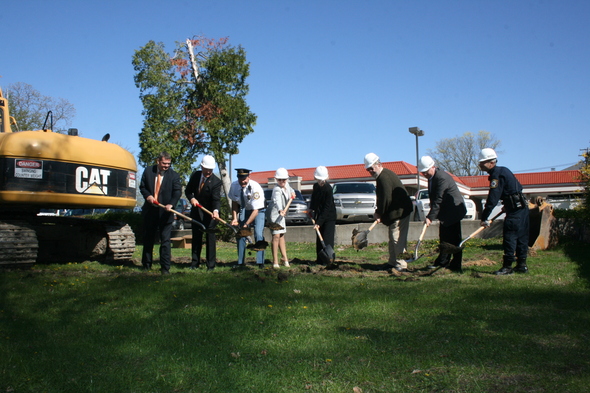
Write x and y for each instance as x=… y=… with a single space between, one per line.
x=543 y=225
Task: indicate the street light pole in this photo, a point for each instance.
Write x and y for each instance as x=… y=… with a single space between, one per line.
x=418 y=132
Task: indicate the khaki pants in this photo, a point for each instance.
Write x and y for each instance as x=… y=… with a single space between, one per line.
x=398 y=236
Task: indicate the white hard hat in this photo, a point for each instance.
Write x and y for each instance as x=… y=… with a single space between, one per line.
x=281 y=173
x=487 y=154
x=370 y=159
x=208 y=162
x=321 y=173
x=425 y=163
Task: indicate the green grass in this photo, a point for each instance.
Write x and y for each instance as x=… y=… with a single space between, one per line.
x=92 y=327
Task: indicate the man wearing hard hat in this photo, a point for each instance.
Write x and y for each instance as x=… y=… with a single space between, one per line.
x=448 y=207
x=204 y=189
x=505 y=187
x=394 y=207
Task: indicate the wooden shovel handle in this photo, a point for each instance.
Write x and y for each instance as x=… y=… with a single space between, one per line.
x=372 y=225
x=423 y=232
x=208 y=212
x=482 y=228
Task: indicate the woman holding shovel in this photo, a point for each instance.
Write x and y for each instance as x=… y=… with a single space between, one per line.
x=276 y=211
x=324 y=211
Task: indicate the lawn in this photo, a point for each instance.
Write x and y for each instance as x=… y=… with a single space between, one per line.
x=92 y=327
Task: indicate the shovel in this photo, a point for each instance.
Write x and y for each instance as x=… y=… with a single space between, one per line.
x=275 y=226
x=327 y=254
x=448 y=248
x=416 y=257
x=359 y=239
x=199 y=225
x=234 y=229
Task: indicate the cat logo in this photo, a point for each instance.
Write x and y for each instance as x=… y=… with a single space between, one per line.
x=95 y=182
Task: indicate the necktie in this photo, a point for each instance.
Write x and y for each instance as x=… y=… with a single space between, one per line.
x=158 y=184
x=202 y=184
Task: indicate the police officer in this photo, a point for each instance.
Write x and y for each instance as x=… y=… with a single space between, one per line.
x=505 y=187
x=248 y=209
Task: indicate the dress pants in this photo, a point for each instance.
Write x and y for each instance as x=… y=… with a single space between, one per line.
x=154 y=223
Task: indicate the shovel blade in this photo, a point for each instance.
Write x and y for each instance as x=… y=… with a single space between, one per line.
x=359 y=240
x=327 y=254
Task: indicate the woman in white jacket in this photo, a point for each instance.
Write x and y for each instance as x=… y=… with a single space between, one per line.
x=276 y=212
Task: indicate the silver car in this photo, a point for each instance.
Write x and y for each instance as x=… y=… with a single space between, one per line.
x=355 y=201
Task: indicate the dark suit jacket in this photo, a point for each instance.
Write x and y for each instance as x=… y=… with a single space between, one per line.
x=209 y=197
x=393 y=201
x=446 y=202
x=170 y=190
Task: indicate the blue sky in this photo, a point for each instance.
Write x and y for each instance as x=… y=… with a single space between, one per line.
x=332 y=80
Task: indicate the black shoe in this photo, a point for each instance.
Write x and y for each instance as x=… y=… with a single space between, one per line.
x=164 y=272
x=504 y=271
x=521 y=269
x=194 y=267
x=209 y=268
x=239 y=266
x=261 y=265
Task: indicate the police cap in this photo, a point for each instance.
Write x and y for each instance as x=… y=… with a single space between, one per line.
x=243 y=172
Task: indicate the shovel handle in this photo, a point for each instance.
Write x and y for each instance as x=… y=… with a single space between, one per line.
x=318 y=231
x=208 y=212
x=423 y=232
x=175 y=212
x=481 y=228
x=373 y=225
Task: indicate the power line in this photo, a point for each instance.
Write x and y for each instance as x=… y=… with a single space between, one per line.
x=545 y=167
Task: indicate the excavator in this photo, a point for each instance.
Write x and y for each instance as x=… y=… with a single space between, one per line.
x=43 y=169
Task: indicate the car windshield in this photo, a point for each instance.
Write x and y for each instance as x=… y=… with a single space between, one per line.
x=423 y=194
x=356 y=188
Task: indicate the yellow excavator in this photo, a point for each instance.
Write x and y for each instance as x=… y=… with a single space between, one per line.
x=43 y=169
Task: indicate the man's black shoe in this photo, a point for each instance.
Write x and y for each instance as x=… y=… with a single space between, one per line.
x=194 y=267
x=164 y=272
x=521 y=269
x=504 y=271
x=210 y=268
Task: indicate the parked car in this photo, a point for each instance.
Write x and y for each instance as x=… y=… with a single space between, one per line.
x=355 y=201
x=184 y=207
x=422 y=206
x=298 y=211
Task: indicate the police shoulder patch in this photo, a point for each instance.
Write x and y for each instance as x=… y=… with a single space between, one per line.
x=256 y=195
x=494 y=183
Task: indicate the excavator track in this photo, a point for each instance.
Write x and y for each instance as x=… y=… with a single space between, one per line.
x=18 y=244
x=47 y=239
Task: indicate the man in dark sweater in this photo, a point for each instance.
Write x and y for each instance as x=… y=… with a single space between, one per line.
x=394 y=207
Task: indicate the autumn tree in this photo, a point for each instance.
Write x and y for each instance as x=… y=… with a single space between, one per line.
x=459 y=155
x=29 y=108
x=194 y=102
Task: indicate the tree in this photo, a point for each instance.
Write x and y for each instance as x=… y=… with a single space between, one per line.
x=30 y=108
x=459 y=155
x=193 y=103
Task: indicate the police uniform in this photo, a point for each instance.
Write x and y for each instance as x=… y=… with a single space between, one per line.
x=504 y=186
x=249 y=199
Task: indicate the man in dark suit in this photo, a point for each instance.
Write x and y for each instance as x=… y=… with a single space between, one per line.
x=159 y=185
x=204 y=188
x=448 y=206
